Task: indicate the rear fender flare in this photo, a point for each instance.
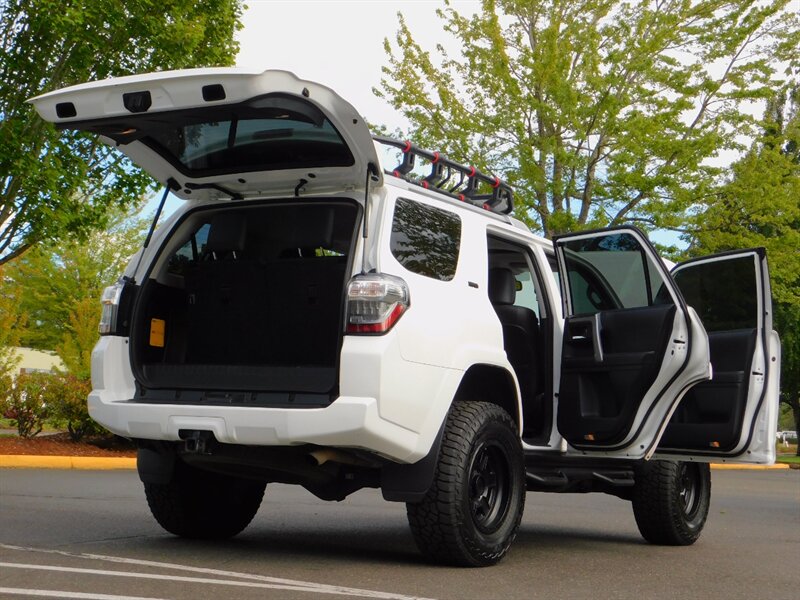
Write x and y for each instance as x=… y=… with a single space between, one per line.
x=490 y=383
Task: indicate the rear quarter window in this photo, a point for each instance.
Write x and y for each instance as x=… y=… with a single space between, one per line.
x=189 y=253
x=426 y=240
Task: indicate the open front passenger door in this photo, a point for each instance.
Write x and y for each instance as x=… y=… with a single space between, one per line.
x=733 y=417
x=631 y=345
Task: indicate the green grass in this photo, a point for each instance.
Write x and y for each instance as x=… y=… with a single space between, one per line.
x=789 y=460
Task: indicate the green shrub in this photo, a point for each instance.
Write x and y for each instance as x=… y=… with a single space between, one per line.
x=23 y=400
x=66 y=396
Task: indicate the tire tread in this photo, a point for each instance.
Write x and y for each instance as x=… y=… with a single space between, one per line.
x=436 y=521
x=655 y=504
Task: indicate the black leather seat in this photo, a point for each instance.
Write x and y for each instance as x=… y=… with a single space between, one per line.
x=224 y=292
x=307 y=309
x=520 y=340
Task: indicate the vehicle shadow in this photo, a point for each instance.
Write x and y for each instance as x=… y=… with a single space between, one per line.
x=372 y=545
x=556 y=537
x=390 y=544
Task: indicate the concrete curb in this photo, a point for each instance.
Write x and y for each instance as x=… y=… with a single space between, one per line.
x=726 y=467
x=29 y=461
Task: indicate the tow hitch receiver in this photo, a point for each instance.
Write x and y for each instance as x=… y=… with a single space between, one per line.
x=197 y=442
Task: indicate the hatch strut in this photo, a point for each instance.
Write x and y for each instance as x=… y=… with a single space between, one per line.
x=171 y=185
x=372 y=174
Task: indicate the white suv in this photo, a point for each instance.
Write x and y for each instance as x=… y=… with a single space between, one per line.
x=311 y=317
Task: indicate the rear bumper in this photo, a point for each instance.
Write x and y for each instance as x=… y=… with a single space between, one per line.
x=351 y=422
x=387 y=405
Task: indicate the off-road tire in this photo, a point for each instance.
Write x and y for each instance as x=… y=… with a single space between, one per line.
x=671 y=500
x=203 y=505
x=471 y=513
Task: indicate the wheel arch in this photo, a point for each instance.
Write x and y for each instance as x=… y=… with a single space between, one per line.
x=494 y=384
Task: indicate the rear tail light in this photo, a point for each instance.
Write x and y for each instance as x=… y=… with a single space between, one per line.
x=117 y=301
x=375 y=303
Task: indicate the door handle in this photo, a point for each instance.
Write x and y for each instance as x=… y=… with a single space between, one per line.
x=589 y=328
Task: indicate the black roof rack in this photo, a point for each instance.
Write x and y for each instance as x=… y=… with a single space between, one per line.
x=451 y=178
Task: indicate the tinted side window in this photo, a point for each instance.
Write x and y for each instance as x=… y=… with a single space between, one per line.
x=425 y=240
x=610 y=272
x=189 y=252
x=723 y=293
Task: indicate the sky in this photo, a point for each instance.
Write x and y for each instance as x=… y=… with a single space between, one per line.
x=338 y=43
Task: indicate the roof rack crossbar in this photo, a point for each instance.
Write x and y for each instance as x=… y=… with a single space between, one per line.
x=499 y=200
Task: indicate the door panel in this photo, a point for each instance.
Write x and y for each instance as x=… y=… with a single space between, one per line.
x=603 y=383
x=719 y=418
x=710 y=415
x=631 y=346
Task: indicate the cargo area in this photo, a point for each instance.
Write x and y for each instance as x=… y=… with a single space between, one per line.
x=245 y=305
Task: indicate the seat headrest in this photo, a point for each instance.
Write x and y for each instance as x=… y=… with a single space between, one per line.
x=226 y=235
x=502 y=286
x=312 y=227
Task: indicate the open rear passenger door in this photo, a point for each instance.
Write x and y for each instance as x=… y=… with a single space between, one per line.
x=631 y=345
x=733 y=417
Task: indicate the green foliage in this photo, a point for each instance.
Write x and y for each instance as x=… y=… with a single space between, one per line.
x=787 y=323
x=10 y=320
x=66 y=396
x=785 y=418
x=31 y=399
x=60 y=286
x=56 y=185
x=760 y=206
x=23 y=400
x=81 y=336
x=597 y=112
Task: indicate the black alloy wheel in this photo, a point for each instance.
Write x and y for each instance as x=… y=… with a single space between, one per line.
x=489 y=487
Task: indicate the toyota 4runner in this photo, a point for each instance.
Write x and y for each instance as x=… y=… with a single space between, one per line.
x=338 y=312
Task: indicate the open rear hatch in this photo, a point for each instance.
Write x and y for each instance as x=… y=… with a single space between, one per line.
x=244 y=303
x=223 y=132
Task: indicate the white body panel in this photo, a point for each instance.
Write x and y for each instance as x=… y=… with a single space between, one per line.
x=395 y=390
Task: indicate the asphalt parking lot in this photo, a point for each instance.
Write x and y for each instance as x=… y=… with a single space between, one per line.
x=89 y=534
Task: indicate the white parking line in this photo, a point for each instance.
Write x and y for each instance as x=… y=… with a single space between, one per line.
x=156 y=576
x=65 y=594
x=263 y=580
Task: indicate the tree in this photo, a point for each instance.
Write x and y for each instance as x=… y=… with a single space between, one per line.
x=80 y=337
x=55 y=185
x=59 y=287
x=787 y=323
x=760 y=206
x=10 y=328
x=598 y=112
